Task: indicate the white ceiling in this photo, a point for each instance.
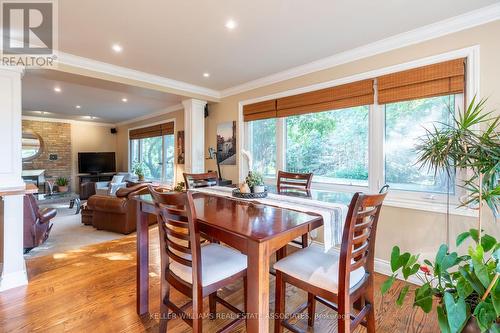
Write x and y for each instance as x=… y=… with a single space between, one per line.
x=97 y=98
x=183 y=39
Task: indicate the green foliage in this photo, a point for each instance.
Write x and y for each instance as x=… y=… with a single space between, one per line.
x=254 y=179
x=466 y=285
x=179 y=187
x=138 y=169
x=62 y=181
x=464 y=145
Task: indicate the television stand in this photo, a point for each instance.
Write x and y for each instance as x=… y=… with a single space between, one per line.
x=86 y=183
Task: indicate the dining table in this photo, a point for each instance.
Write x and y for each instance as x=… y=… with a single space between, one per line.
x=255 y=229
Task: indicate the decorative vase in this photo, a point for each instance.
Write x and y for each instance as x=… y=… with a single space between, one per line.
x=141 y=178
x=63 y=189
x=471 y=326
x=259 y=189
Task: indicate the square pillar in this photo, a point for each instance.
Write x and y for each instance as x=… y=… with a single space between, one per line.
x=194 y=132
x=11 y=184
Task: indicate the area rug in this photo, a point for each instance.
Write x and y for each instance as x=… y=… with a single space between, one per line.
x=69 y=233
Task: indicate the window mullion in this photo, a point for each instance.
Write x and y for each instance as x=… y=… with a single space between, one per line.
x=376 y=147
x=280 y=144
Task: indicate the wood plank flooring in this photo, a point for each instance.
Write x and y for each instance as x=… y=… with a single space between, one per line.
x=92 y=289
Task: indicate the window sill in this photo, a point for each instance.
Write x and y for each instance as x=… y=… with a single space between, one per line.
x=428 y=206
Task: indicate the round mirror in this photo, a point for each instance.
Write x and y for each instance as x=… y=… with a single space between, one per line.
x=32 y=146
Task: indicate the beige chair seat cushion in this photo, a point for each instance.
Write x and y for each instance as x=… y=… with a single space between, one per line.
x=217 y=263
x=317 y=268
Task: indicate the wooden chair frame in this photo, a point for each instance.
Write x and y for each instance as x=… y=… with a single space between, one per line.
x=176 y=220
x=357 y=250
x=198 y=176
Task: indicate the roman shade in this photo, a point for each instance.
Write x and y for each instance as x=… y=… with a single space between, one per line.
x=444 y=78
x=152 y=131
x=261 y=110
x=339 y=97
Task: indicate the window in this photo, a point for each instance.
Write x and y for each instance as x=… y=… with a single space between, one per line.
x=263 y=146
x=405 y=122
x=157 y=156
x=333 y=145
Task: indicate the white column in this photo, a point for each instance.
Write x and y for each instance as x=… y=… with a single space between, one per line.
x=194 y=132
x=13 y=267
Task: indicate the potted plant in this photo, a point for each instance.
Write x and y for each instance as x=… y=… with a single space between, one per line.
x=179 y=187
x=62 y=184
x=255 y=181
x=467 y=287
x=138 y=169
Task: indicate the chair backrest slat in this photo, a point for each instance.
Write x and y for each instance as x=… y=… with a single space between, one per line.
x=195 y=180
x=294 y=181
x=358 y=239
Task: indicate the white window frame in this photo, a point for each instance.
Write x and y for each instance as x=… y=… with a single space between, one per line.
x=405 y=199
x=163 y=180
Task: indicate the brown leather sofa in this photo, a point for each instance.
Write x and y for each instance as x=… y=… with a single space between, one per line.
x=117 y=213
x=37 y=224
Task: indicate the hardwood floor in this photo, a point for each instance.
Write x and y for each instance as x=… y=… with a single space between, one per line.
x=93 y=289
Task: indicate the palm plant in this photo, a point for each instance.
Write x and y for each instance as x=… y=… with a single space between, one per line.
x=467 y=286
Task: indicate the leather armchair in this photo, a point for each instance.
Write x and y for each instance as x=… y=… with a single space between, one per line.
x=117 y=213
x=37 y=223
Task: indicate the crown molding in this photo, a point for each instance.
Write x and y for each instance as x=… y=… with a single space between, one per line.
x=67 y=121
x=128 y=73
x=445 y=27
x=162 y=112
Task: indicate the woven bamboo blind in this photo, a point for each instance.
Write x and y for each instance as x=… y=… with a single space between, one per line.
x=261 y=110
x=152 y=131
x=434 y=80
x=339 y=97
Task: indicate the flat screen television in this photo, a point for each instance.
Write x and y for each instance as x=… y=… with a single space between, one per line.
x=96 y=162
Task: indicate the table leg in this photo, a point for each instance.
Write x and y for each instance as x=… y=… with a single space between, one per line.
x=258 y=288
x=78 y=205
x=142 y=262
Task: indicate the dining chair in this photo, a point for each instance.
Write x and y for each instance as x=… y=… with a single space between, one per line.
x=195 y=180
x=295 y=184
x=384 y=189
x=338 y=280
x=195 y=270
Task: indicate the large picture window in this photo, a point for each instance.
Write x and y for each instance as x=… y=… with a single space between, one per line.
x=332 y=145
x=154 y=148
x=405 y=122
x=263 y=146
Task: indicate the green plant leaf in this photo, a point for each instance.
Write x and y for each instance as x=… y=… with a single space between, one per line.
x=464 y=289
x=473 y=280
x=488 y=242
x=423 y=298
x=443 y=320
x=408 y=271
x=462 y=237
x=395 y=258
x=474 y=235
x=485 y=315
x=480 y=269
x=456 y=312
x=387 y=284
x=495 y=298
x=402 y=295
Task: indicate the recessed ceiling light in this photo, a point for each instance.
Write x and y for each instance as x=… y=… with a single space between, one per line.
x=57 y=89
x=41 y=112
x=206 y=74
x=124 y=100
x=90 y=117
x=117 y=48
x=78 y=107
x=231 y=24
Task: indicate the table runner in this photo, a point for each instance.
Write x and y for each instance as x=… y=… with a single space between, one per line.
x=334 y=214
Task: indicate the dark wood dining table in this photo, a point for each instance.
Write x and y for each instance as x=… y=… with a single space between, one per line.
x=255 y=229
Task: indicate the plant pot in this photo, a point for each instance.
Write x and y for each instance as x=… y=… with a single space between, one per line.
x=259 y=189
x=63 y=188
x=471 y=326
x=141 y=178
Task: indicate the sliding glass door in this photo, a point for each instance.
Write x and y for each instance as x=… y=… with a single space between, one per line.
x=156 y=155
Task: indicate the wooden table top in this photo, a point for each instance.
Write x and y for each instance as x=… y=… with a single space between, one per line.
x=252 y=220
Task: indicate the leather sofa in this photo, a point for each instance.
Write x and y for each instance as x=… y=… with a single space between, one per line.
x=117 y=213
x=37 y=223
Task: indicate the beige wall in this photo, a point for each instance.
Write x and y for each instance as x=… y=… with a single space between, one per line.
x=413 y=230
x=122 y=139
x=90 y=138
